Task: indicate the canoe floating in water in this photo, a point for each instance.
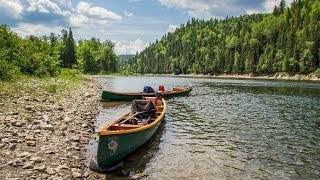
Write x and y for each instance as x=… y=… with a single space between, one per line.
x=123 y=96
x=125 y=134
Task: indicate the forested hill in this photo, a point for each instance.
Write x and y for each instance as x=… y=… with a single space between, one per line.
x=287 y=40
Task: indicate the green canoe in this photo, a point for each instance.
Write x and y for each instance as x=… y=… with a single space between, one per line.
x=125 y=134
x=125 y=96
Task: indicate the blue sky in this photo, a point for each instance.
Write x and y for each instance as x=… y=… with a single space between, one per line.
x=130 y=24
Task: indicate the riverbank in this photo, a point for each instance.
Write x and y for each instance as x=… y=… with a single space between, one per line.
x=45 y=126
x=278 y=76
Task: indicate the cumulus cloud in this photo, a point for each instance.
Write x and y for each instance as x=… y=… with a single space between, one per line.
x=129 y=47
x=172 y=28
x=217 y=8
x=25 y=29
x=96 y=12
x=45 y=6
x=128 y=13
x=79 y=20
x=11 y=8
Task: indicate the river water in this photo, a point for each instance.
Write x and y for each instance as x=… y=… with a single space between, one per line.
x=226 y=129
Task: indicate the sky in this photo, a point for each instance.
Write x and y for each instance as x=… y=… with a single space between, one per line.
x=130 y=24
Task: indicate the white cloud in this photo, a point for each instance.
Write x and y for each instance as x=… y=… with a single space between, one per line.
x=172 y=28
x=11 y=8
x=96 y=12
x=45 y=6
x=194 y=8
x=217 y=9
x=25 y=29
x=79 y=20
x=269 y=4
x=129 y=47
x=129 y=14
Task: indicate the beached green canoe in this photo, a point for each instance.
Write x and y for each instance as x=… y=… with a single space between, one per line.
x=126 y=133
x=125 y=96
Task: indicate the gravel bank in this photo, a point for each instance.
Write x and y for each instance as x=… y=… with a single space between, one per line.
x=44 y=133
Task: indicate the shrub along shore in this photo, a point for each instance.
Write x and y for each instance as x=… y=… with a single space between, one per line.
x=45 y=127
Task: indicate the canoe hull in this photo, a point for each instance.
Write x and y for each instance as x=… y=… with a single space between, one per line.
x=113 y=148
x=117 y=96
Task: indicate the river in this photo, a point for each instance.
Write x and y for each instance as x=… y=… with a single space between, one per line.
x=226 y=129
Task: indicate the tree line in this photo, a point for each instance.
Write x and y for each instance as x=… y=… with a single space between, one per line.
x=46 y=55
x=287 y=40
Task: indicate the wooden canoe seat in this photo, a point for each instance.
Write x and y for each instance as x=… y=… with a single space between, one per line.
x=118 y=127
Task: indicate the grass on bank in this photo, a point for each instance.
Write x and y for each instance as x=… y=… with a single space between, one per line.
x=67 y=78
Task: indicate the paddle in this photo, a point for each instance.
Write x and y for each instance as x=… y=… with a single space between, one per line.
x=135 y=114
x=127 y=119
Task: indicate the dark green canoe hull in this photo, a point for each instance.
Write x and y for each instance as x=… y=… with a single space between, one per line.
x=115 y=147
x=116 y=96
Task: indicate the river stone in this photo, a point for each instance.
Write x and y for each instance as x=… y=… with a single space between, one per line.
x=47 y=127
x=2 y=145
x=45 y=118
x=28 y=165
x=75 y=139
x=40 y=168
x=31 y=143
x=24 y=154
x=66 y=119
x=76 y=173
x=13 y=141
x=34 y=127
x=62 y=126
x=50 y=171
x=12 y=146
x=36 y=159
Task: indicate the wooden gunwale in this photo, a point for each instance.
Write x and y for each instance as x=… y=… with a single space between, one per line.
x=106 y=131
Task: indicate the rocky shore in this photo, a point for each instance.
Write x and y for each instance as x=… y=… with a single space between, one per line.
x=45 y=126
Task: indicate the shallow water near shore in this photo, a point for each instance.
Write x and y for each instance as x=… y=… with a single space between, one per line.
x=226 y=128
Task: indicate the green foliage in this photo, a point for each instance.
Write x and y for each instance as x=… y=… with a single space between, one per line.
x=96 y=57
x=286 y=41
x=317 y=73
x=51 y=88
x=44 y=56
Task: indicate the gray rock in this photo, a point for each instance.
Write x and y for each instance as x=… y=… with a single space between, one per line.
x=63 y=166
x=36 y=159
x=50 y=171
x=34 y=127
x=13 y=141
x=76 y=173
x=48 y=127
x=5 y=140
x=62 y=126
x=40 y=168
x=66 y=119
x=45 y=118
x=49 y=152
x=28 y=165
x=2 y=145
x=12 y=146
x=24 y=154
x=84 y=125
x=37 y=131
x=19 y=124
x=75 y=139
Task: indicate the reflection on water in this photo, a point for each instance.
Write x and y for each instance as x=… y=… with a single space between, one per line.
x=229 y=129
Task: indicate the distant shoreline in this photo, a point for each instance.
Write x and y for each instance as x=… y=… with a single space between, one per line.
x=296 y=77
